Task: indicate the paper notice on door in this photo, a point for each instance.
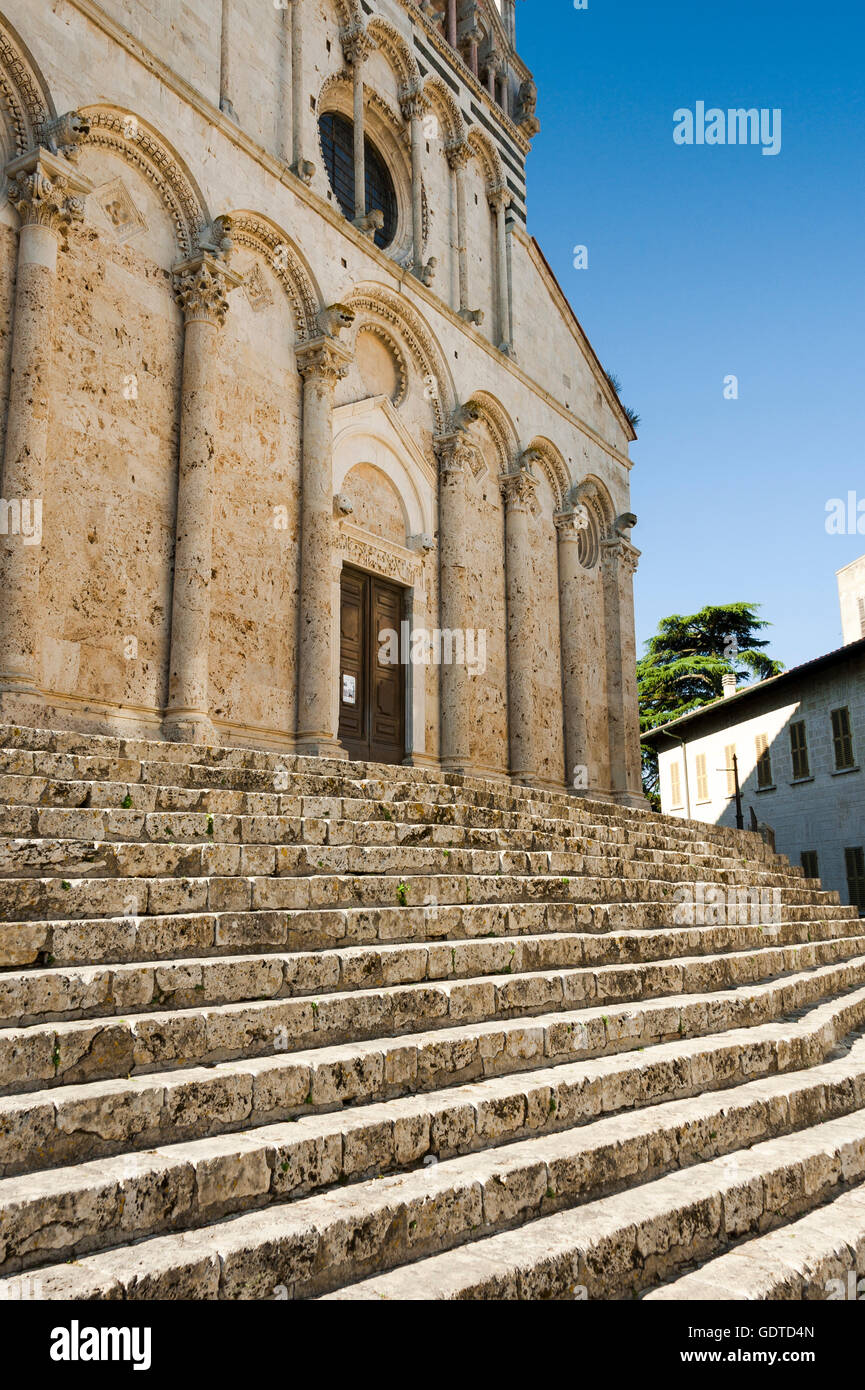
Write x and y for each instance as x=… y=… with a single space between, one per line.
x=349 y=690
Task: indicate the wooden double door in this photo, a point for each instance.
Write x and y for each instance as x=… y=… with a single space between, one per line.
x=371 y=692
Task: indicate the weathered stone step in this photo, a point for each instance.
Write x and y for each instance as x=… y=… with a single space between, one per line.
x=56 y=1054
x=675 y=1057
x=59 y=756
x=89 y=940
x=696 y=956
x=49 y=837
x=37 y=806
x=79 y=858
x=820 y=1257
x=611 y=1248
x=70 y=1211
x=247 y=889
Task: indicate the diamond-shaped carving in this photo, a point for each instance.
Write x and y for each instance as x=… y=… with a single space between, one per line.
x=116 y=202
x=257 y=289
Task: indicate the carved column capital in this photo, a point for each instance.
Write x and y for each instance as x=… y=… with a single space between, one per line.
x=499 y=198
x=357 y=44
x=46 y=191
x=518 y=489
x=618 y=553
x=455 y=453
x=458 y=154
x=323 y=358
x=412 y=102
x=569 y=524
x=202 y=286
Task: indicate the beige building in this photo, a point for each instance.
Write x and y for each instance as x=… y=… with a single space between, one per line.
x=851 y=595
x=283 y=371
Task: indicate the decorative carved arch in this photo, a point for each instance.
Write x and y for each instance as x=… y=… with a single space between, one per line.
x=488 y=157
x=136 y=142
x=25 y=100
x=592 y=495
x=420 y=343
x=442 y=102
x=349 y=14
x=257 y=233
x=378 y=330
x=396 y=50
x=553 y=466
x=500 y=426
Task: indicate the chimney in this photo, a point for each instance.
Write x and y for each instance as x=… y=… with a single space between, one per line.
x=729 y=684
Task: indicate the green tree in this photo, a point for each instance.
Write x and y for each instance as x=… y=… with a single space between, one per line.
x=685 y=664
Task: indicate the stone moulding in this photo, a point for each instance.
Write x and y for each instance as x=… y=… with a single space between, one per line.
x=379 y=302
x=127 y=136
x=22 y=91
x=392 y=561
x=253 y=233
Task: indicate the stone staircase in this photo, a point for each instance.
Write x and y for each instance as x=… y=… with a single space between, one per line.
x=282 y=1027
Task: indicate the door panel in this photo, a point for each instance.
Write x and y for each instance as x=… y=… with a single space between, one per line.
x=352 y=675
x=372 y=693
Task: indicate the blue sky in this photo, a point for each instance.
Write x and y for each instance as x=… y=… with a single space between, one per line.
x=711 y=261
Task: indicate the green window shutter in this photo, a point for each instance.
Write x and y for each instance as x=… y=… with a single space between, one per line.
x=842 y=738
x=799 y=749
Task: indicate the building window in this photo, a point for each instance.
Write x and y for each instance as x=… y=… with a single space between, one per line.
x=856 y=876
x=764 y=761
x=842 y=738
x=675 y=785
x=337 y=146
x=799 y=749
x=810 y=863
x=729 y=755
x=702 y=778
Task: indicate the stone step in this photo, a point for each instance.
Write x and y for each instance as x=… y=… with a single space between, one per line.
x=410 y=824
x=99 y=1047
x=60 y=755
x=69 y=1212
x=820 y=1257
x=73 y=896
x=53 y=801
x=88 y=940
x=704 y=957
x=611 y=1248
x=409 y=1232
x=684 y=1047
x=36 y=858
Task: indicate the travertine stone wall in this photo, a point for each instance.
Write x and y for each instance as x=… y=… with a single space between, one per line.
x=169 y=599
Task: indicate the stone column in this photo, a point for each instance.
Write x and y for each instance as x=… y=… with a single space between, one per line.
x=575 y=655
x=226 y=104
x=357 y=47
x=201 y=287
x=499 y=199
x=302 y=167
x=321 y=362
x=452 y=23
x=454 y=453
x=619 y=562
x=629 y=558
x=413 y=108
x=518 y=490
x=287 y=94
x=48 y=194
x=458 y=158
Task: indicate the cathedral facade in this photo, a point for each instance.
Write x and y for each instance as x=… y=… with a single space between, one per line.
x=303 y=447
